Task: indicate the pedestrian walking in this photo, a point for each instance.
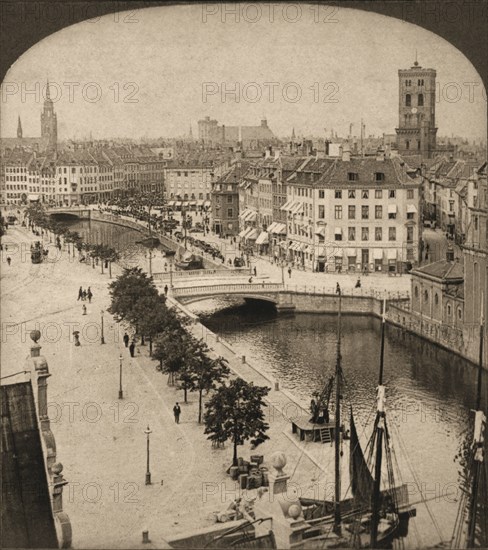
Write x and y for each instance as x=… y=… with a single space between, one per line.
x=89 y=294
x=132 y=348
x=358 y=283
x=126 y=340
x=250 y=280
x=84 y=309
x=177 y=412
x=255 y=272
x=9 y=260
x=289 y=272
x=165 y=290
x=338 y=288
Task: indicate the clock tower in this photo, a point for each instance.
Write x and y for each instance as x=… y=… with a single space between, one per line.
x=416 y=132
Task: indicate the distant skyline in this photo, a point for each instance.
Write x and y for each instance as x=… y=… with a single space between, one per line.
x=151 y=68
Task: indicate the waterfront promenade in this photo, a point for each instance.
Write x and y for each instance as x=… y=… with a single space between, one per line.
x=101 y=440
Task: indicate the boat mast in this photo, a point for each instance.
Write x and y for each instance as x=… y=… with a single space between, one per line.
x=478 y=438
x=380 y=418
x=337 y=435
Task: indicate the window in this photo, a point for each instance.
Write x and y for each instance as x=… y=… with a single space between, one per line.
x=338 y=194
x=365 y=194
x=426 y=295
x=418 y=144
x=420 y=101
x=448 y=310
x=321 y=211
x=416 y=291
x=186 y=174
x=378 y=212
x=392 y=215
x=391 y=194
x=351 y=233
x=322 y=194
x=410 y=234
x=408 y=100
x=410 y=194
x=353 y=176
x=378 y=234
x=408 y=82
x=420 y=82
x=351 y=212
x=460 y=313
x=364 y=212
x=392 y=233
x=407 y=144
x=379 y=176
x=365 y=233
x=230 y=212
x=378 y=193
x=410 y=215
x=338 y=236
x=229 y=198
x=351 y=194
x=338 y=212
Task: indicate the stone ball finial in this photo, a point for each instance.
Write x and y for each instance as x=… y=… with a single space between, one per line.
x=295 y=511
x=57 y=468
x=35 y=335
x=278 y=460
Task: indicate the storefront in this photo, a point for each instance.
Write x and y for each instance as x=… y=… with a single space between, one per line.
x=351 y=255
x=378 y=259
x=392 y=255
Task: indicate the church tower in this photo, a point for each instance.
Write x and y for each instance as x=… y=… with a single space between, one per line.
x=416 y=132
x=19 y=129
x=49 y=123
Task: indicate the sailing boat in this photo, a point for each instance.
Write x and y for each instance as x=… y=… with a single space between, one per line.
x=373 y=517
x=471 y=527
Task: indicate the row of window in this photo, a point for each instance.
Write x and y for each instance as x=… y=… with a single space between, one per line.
x=378 y=234
x=436 y=302
x=351 y=213
x=364 y=193
x=408 y=100
x=420 y=82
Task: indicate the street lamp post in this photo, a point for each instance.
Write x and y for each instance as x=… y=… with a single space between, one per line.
x=147 y=431
x=102 y=340
x=121 y=393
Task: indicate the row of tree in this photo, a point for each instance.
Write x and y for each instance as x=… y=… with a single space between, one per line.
x=234 y=411
x=39 y=220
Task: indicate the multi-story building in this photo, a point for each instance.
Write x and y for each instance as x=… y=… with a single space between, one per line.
x=353 y=214
x=188 y=179
x=17 y=166
x=416 y=132
x=475 y=252
x=211 y=134
x=225 y=200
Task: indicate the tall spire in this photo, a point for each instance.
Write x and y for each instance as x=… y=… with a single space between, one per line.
x=19 y=128
x=47 y=89
x=416 y=64
x=293 y=134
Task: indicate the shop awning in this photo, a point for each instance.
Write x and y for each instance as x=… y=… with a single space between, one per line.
x=280 y=229
x=171 y=203
x=178 y=203
x=291 y=246
x=243 y=232
x=338 y=231
x=411 y=209
x=271 y=227
x=244 y=213
x=287 y=205
x=207 y=203
x=283 y=244
x=253 y=234
x=192 y=203
x=320 y=231
x=392 y=209
x=351 y=252
x=263 y=238
x=33 y=197
x=251 y=216
x=296 y=208
x=308 y=249
x=392 y=253
x=321 y=252
x=200 y=203
x=377 y=254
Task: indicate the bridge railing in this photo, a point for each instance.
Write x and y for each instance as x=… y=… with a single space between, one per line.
x=194 y=273
x=227 y=289
x=355 y=292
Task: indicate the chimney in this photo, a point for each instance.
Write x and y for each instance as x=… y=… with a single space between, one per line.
x=380 y=154
x=346 y=152
x=450 y=254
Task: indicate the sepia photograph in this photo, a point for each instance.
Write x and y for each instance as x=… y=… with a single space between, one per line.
x=244 y=275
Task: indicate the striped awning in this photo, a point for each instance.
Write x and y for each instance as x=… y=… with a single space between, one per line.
x=244 y=213
x=243 y=232
x=263 y=238
x=320 y=231
x=296 y=208
x=251 y=216
x=287 y=204
x=271 y=227
x=253 y=234
x=280 y=229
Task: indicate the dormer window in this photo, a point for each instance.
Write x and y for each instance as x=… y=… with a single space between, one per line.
x=379 y=176
x=352 y=176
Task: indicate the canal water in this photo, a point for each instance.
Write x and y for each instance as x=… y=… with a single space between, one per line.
x=430 y=392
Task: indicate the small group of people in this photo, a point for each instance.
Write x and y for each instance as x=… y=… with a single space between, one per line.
x=84 y=295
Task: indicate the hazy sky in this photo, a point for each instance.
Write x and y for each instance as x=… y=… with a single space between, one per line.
x=144 y=73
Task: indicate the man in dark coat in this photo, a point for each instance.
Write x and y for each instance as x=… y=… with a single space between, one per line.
x=132 y=348
x=126 y=340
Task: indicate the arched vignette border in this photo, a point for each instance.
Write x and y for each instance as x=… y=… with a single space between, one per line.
x=462 y=22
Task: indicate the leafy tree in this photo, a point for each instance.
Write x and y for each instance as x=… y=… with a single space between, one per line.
x=203 y=372
x=172 y=349
x=235 y=412
x=127 y=290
